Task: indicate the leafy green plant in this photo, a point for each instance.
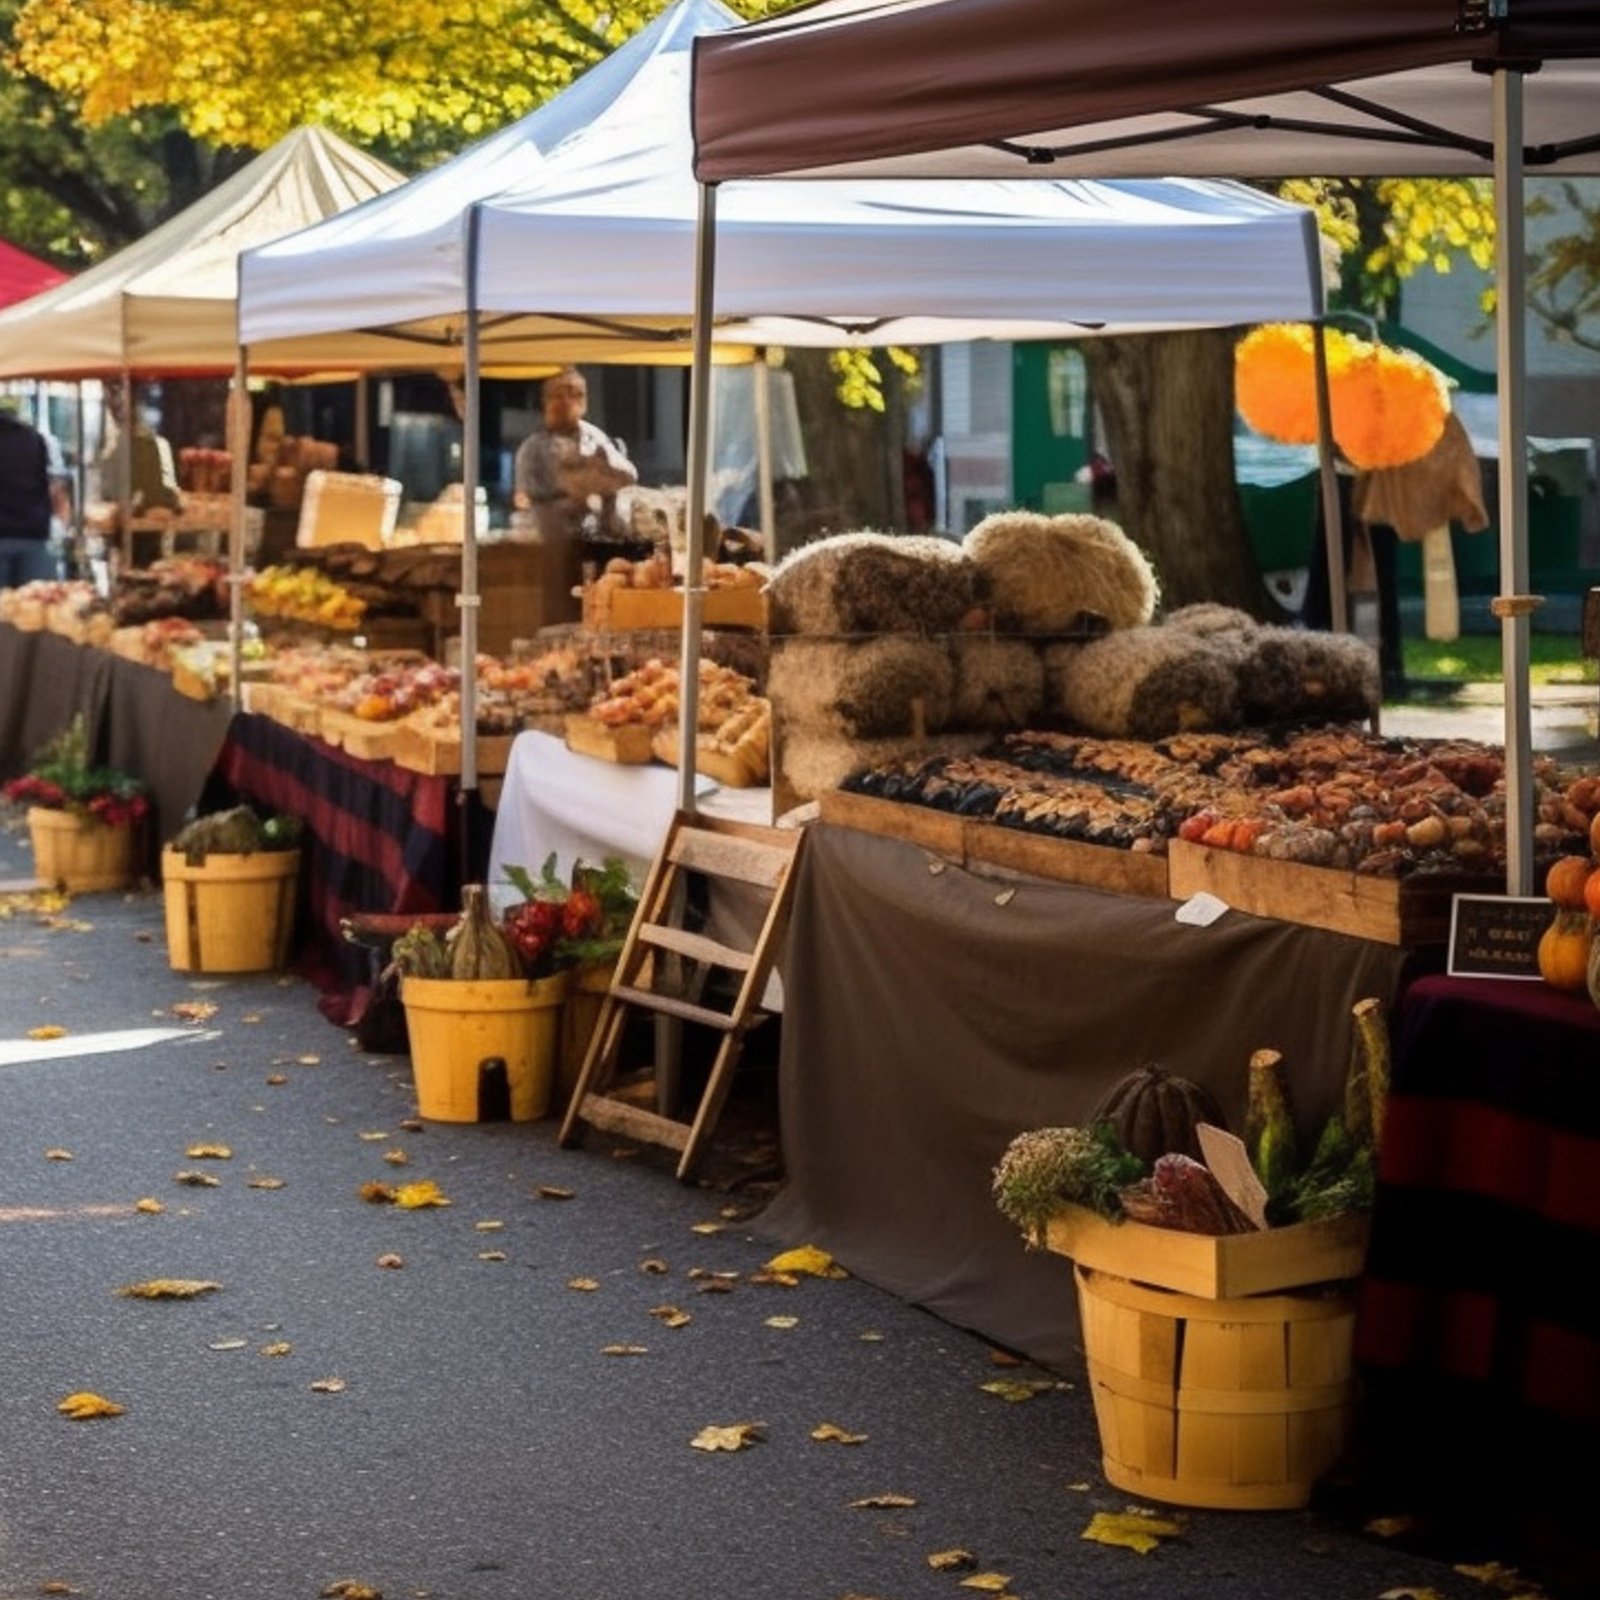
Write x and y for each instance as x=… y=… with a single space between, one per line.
x=1046 y=1168
x=60 y=778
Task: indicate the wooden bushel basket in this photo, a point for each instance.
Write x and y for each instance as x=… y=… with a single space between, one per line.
x=1234 y=1404
x=232 y=913
x=82 y=855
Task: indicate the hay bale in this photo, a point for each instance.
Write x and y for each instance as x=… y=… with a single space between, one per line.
x=999 y=683
x=1297 y=674
x=869 y=583
x=1142 y=683
x=1045 y=574
x=1213 y=621
x=810 y=764
x=862 y=689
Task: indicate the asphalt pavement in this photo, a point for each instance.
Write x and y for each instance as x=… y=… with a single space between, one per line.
x=489 y=1399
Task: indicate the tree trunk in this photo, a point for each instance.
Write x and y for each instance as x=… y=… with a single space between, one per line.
x=846 y=487
x=1167 y=403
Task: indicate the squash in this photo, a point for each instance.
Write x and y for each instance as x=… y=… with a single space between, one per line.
x=1591 y=894
x=1566 y=880
x=1155 y=1112
x=1269 y=1132
x=1564 y=951
x=478 y=949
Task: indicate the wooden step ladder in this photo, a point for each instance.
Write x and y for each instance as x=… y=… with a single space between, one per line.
x=665 y=968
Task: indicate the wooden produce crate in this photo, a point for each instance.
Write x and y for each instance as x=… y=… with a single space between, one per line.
x=970 y=842
x=620 y=610
x=438 y=754
x=1399 y=911
x=361 y=737
x=726 y=767
x=1213 y=1267
x=628 y=743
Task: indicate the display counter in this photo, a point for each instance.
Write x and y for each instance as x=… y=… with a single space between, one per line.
x=378 y=838
x=134 y=721
x=1477 y=1333
x=932 y=1014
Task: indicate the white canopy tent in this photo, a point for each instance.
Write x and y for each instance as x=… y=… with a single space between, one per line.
x=940 y=88
x=596 y=235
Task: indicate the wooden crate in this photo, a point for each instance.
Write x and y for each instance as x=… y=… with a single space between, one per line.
x=1213 y=1267
x=438 y=754
x=1398 y=911
x=628 y=744
x=971 y=842
x=619 y=610
x=360 y=737
x=724 y=766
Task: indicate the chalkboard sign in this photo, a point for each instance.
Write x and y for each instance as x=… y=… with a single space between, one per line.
x=1497 y=935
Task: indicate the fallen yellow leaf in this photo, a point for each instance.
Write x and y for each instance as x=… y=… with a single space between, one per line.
x=48 y=1030
x=956 y=1560
x=350 y=1589
x=228 y=1344
x=707 y=1275
x=277 y=1079
x=377 y=1194
x=329 y=1385
x=309 y=1059
x=396 y=1157
x=549 y=1191
x=832 y=1433
x=376 y=1137
x=491 y=1255
x=85 y=1406
x=883 y=1502
x=193 y=1010
x=209 y=1152
x=992 y=1582
x=653 y=1264
x=624 y=1350
x=734 y=1436
x=706 y=1227
x=783 y=1322
x=168 y=1288
x=58 y=1154
x=281 y=1348
x=197 y=1180
x=149 y=1207
x=390 y=1259
x=1015 y=1389
x=783 y=1280
x=587 y=1285
x=809 y=1260
x=488 y=1226
x=671 y=1316
x=1130 y=1530
x=416 y=1196
x=264 y=1182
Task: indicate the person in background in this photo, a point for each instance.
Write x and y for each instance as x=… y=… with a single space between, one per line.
x=154 y=482
x=568 y=472
x=25 y=503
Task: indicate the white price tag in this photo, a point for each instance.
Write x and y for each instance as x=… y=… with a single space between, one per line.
x=1201 y=910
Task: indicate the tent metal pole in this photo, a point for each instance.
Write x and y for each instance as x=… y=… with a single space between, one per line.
x=1513 y=605
x=468 y=598
x=763 y=393
x=1332 y=511
x=694 y=582
x=239 y=457
x=363 y=429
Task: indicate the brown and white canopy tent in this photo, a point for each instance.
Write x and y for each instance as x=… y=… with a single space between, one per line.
x=1245 y=88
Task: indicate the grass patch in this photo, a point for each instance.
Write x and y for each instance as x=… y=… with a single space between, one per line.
x=1553 y=658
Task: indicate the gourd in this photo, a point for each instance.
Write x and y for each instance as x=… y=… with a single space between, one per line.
x=1269 y=1136
x=1566 y=880
x=478 y=949
x=1563 y=952
x=1155 y=1112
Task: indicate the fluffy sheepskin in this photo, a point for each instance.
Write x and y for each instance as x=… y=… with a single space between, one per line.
x=1142 y=683
x=1297 y=674
x=1043 y=574
x=999 y=683
x=860 y=690
x=869 y=583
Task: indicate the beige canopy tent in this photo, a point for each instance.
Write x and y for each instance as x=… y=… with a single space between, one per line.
x=940 y=88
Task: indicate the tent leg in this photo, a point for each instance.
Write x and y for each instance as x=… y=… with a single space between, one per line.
x=1332 y=511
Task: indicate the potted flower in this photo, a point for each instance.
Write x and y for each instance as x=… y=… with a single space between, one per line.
x=229 y=882
x=581 y=925
x=83 y=819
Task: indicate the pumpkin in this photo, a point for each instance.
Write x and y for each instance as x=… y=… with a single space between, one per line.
x=1594 y=834
x=1594 y=970
x=1564 y=951
x=1566 y=879
x=1155 y=1112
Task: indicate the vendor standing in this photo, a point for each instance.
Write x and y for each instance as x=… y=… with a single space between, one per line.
x=568 y=473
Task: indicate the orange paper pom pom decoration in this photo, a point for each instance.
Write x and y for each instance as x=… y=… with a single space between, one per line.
x=1387 y=406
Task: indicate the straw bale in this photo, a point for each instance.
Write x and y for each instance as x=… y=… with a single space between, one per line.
x=861 y=689
x=1142 y=683
x=866 y=583
x=1296 y=674
x=999 y=683
x=1046 y=574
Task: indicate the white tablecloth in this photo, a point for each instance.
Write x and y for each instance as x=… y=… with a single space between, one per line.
x=586 y=809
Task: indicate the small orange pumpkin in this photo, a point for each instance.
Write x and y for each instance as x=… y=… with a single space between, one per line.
x=1591 y=894
x=1564 y=951
x=1594 y=834
x=1566 y=880
x=1594 y=971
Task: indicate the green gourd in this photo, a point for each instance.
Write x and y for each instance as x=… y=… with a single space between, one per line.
x=1269 y=1136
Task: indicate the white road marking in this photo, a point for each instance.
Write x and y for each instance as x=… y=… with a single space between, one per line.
x=14 y=1052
